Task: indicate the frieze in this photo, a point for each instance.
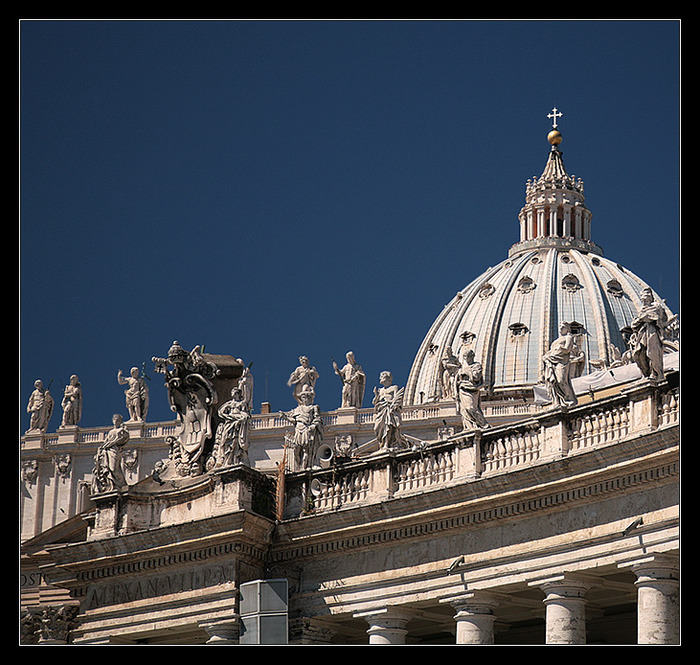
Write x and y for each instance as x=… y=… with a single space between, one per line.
x=192 y=579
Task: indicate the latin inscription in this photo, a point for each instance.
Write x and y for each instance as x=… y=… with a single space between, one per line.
x=163 y=585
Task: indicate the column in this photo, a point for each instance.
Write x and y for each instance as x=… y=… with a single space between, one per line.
x=565 y=607
x=658 y=599
x=475 y=616
x=386 y=626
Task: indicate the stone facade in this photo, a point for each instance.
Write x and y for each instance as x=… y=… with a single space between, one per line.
x=558 y=528
x=463 y=508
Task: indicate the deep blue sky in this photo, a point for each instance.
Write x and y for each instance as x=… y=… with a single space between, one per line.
x=275 y=188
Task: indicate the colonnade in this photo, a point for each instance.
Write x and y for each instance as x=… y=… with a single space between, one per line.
x=658 y=609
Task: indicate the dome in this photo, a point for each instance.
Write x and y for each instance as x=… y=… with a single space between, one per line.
x=512 y=313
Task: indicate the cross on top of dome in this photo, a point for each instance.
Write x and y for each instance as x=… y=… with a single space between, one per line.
x=554 y=115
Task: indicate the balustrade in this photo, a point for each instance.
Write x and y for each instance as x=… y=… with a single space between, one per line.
x=495 y=450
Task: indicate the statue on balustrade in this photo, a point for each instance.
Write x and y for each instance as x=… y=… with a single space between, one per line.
x=107 y=474
x=192 y=397
x=648 y=337
x=449 y=365
x=72 y=403
x=136 y=394
x=353 y=378
x=231 y=440
x=468 y=382
x=556 y=368
x=308 y=429
x=388 y=404
x=39 y=408
x=302 y=377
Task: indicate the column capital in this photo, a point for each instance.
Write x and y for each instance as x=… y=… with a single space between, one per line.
x=657 y=564
x=569 y=585
x=387 y=625
x=475 y=615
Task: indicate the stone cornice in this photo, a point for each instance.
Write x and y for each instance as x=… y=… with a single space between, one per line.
x=240 y=533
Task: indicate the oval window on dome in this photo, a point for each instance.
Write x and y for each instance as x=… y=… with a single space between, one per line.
x=614 y=288
x=526 y=284
x=518 y=329
x=486 y=290
x=571 y=283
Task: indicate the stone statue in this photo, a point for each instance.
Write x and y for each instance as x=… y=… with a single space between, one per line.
x=72 y=403
x=39 y=408
x=231 y=441
x=556 y=368
x=468 y=381
x=388 y=402
x=648 y=337
x=245 y=383
x=192 y=396
x=136 y=394
x=353 y=378
x=308 y=429
x=449 y=365
x=107 y=474
x=301 y=377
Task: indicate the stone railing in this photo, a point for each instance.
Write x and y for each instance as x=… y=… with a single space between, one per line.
x=469 y=456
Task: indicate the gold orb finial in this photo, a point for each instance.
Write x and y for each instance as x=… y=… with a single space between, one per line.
x=554 y=137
